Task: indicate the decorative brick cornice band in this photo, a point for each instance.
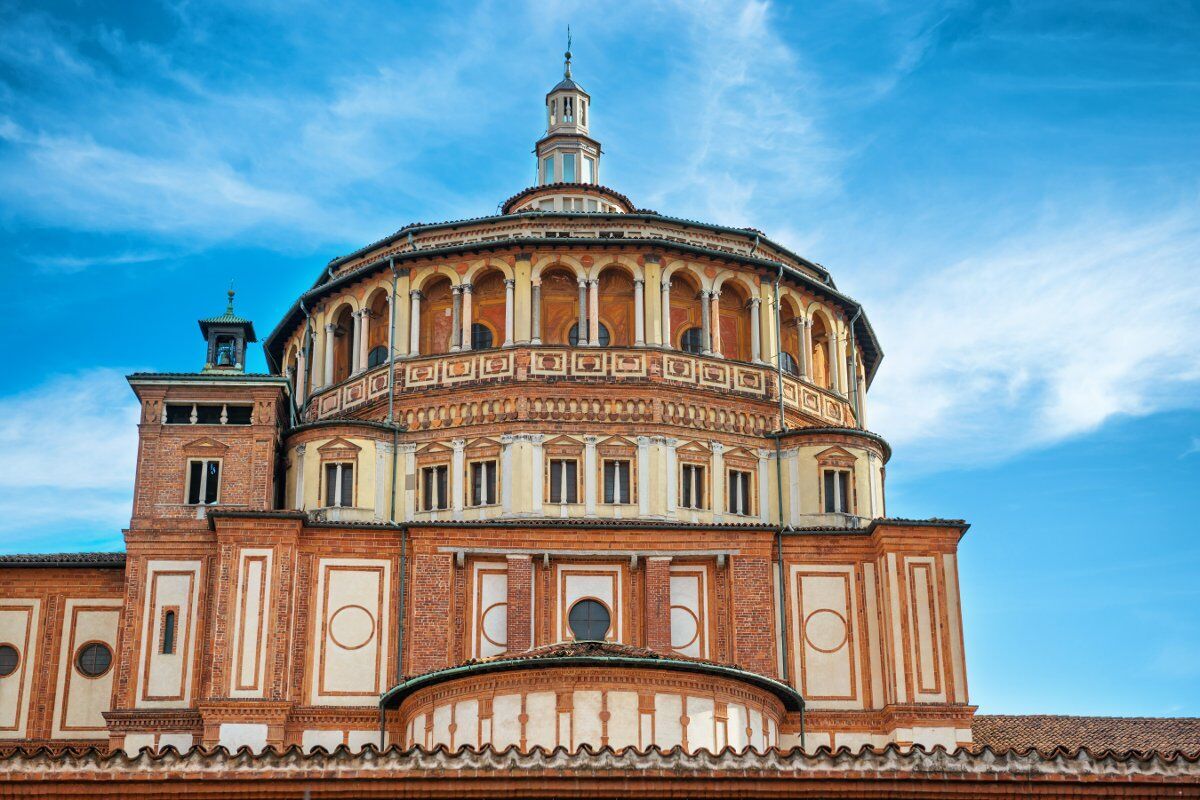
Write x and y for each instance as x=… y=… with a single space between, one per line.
x=891 y=761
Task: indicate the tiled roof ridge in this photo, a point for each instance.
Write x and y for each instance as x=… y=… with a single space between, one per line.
x=1084 y=716
x=64 y=558
x=1055 y=764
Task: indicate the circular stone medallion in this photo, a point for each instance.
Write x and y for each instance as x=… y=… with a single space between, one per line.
x=825 y=630
x=351 y=627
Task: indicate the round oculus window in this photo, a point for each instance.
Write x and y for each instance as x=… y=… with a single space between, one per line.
x=93 y=659
x=589 y=621
x=9 y=660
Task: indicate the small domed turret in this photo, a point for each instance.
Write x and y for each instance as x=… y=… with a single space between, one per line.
x=566 y=154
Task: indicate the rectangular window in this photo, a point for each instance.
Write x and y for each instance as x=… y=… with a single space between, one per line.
x=564 y=481
x=547 y=169
x=339 y=485
x=546 y=205
x=739 y=492
x=568 y=161
x=616 y=482
x=692 y=490
x=204 y=482
x=435 y=493
x=483 y=483
x=837 y=491
x=589 y=169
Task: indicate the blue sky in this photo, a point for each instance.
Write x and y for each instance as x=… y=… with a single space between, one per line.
x=1013 y=189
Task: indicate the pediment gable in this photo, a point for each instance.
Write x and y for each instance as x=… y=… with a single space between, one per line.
x=205 y=445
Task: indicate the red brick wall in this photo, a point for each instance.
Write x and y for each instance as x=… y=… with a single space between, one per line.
x=753 y=615
x=520 y=588
x=658 y=604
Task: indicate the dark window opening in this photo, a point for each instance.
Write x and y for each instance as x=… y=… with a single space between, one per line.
x=564 y=477
x=481 y=337
x=339 y=485
x=602 y=332
x=204 y=481
x=739 y=492
x=692 y=341
x=434 y=494
x=692 y=494
x=616 y=482
x=168 y=633
x=226 y=351
x=376 y=357
x=483 y=483
x=789 y=364
x=589 y=621
x=10 y=659
x=837 y=491
x=94 y=659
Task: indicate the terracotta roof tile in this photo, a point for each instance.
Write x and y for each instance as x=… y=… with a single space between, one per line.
x=63 y=560
x=1045 y=732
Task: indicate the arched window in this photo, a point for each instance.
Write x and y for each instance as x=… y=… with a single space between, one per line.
x=589 y=621
x=9 y=659
x=481 y=337
x=573 y=338
x=789 y=364
x=376 y=357
x=168 y=633
x=94 y=659
x=693 y=341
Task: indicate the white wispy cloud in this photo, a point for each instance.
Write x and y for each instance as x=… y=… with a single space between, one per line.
x=69 y=448
x=1043 y=336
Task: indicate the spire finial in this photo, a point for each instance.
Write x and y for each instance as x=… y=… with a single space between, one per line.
x=229 y=308
x=567 y=66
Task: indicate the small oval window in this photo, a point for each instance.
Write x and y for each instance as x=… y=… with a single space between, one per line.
x=589 y=621
x=10 y=659
x=94 y=659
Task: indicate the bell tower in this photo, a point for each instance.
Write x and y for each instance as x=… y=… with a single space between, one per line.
x=227 y=337
x=567 y=154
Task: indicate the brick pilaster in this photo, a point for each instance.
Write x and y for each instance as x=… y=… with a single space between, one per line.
x=429 y=639
x=753 y=615
x=658 y=604
x=520 y=603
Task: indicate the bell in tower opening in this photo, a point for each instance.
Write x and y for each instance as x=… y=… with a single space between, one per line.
x=227 y=337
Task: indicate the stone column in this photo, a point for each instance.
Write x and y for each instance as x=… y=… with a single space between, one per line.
x=594 y=312
x=520 y=603
x=414 y=323
x=506 y=473
x=536 y=315
x=806 y=365
x=658 y=604
x=456 y=319
x=665 y=312
x=589 y=475
x=672 y=475
x=716 y=324
x=408 y=496
x=643 y=468
x=537 y=471
x=328 y=376
x=457 y=468
x=705 y=324
x=301 y=376
x=383 y=458
x=583 y=327
x=364 y=341
x=755 y=332
x=298 y=502
x=639 y=313
x=716 y=491
x=391 y=332
x=468 y=317
x=765 y=510
x=355 y=341
x=510 y=287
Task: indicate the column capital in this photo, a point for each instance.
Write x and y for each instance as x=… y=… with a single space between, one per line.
x=755 y=302
x=416 y=294
x=643 y=441
x=510 y=283
x=665 y=283
x=582 y=282
x=639 y=281
x=330 y=327
x=591 y=440
x=466 y=288
x=716 y=447
x=458 y=444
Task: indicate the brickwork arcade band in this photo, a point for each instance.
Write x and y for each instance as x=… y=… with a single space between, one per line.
x=575 y=474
